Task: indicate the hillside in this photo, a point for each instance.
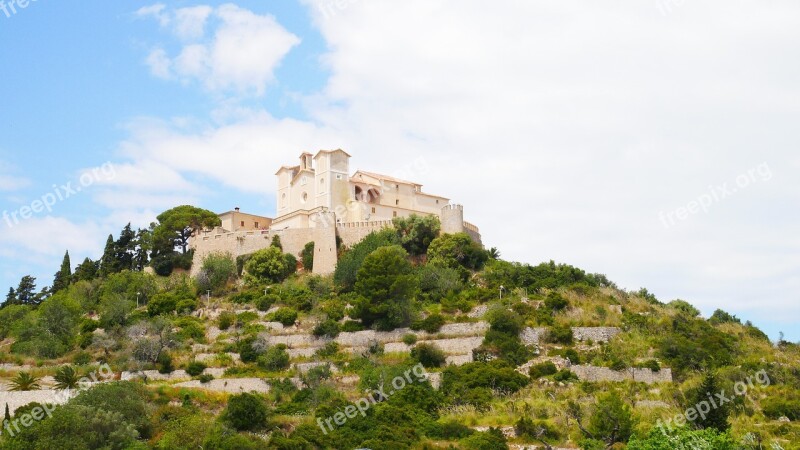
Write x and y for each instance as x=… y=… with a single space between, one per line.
x=418 y=340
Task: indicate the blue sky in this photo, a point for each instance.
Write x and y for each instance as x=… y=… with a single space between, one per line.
x=654 y=142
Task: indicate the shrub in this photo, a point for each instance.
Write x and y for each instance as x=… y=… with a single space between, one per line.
x=542 y=370
x=410 y=339
x=186 y=306
x=428 y=355
x=225 y=320
x=165 y=363
x=265 y=302
x=247 y=351
x=130 y=400
x=327 y=328
x=504 y=321
x=777 y=407
x=162 y=303
x=307 y=257
x=245 y=297
x=328 y=350
x=559 y=334
x=351 y=326
x=565 y=375
x=286 y=316
x=684 y=307
x=205 y=378
x=275 y=358
x=431 y=324
x=555 y=302
x=82 y=358
x=350 y=262
x=536 y=429
x=269 y=265
x=216 y=272
x=651 y=364
x=246 y=412
x=195 y=368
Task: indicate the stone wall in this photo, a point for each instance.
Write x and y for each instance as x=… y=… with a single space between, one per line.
x=648 y=376
x=532 y=336
x=596 y=334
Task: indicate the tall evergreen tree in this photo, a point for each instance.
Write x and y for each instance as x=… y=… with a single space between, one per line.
x=11 y=298
x=717 y=417
x=86 y=271
x=108 y=264
x=25 y=291
x=143 y=246
x=64 y=276
x=125 y=247
x=276 y=242
x=7 y=417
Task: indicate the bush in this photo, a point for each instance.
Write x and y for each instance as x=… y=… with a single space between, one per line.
x=275 y=359
x=130 y=400
x=286 y=316
x=327 y=328
x=431 y=324
x=565 y=375
x=559 y=334
x=265 y=302
x=307 y=257
x=269 y=266
x=186 y=306
x=777 y=407
x=410 y=339
x=245 y=297
x=205 y=378
x=428 y=355
x=651 y=364
x=82 y=358
x=350 y=262
x=165 y=363
x=247 y=351
x=216 y=272
x=542 y=370
x=351 y=326
x=195 y=368
x=246 y=412
x=163 y=303
x=536 y=429
x=328 y=350
x=555 y=302
x=225 y=320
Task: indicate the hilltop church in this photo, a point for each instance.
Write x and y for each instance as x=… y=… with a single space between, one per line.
x=317 y=201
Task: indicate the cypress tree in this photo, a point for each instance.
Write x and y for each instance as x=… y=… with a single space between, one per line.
x=11 y=298
x=7 y=418
x=64 y=276
x=276 y=242
x=108 y=262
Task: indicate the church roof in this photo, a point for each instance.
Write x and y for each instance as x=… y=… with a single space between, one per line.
x=361 y=173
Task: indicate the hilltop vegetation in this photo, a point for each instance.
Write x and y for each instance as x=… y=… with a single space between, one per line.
x=246 y=319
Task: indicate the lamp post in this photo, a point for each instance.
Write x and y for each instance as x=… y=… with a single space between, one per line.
x=138 y=294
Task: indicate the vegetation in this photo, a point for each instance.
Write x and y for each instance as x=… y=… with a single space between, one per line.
x=110 y=310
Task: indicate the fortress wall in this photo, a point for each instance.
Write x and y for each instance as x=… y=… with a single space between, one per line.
x=596 y=334
x=352 y=233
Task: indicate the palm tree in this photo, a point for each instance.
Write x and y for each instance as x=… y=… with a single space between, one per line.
x=494 y=253
x=66 y=378
x=24 y=381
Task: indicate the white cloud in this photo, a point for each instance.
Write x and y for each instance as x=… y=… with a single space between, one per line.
x=10 y=182
x=159 y=63
x=564 y=128
x=191 y=22
x=156 y=11
x=240 y=55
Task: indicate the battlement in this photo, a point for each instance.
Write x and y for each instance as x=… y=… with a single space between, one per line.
x=453 y=207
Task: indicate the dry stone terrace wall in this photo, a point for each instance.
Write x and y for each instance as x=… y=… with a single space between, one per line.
x=648 y=376
x=532 y=336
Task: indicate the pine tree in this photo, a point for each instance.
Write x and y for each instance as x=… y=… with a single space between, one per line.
x=64 y=276
x=7 y=418
x=86 y=271
x=25 y=291
x=108 y=262
x=717 y=417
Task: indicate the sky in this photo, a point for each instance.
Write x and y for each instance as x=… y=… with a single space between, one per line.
x=656 y=142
